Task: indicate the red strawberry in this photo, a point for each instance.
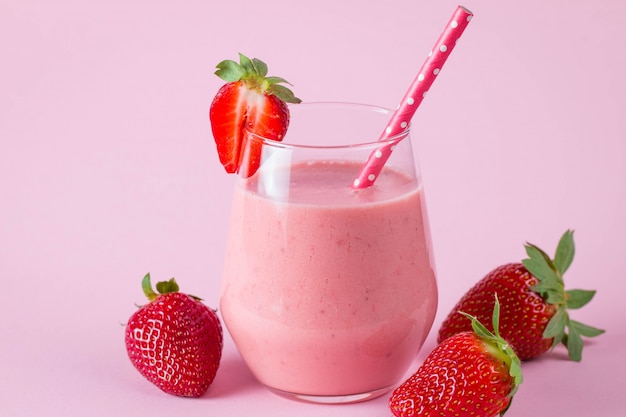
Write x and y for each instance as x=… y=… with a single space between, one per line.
x=534 y=303
x=175 y=341
x=472 y=373
x=249 y=101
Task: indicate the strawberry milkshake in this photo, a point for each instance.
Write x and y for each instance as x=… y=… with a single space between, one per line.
x=328 y=291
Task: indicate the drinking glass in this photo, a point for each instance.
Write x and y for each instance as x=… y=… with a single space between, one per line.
x=328 y=291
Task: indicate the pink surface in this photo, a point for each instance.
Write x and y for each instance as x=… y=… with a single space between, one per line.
x=108 y=171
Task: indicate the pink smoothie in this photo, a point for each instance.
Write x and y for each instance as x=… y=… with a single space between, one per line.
x=331 y=292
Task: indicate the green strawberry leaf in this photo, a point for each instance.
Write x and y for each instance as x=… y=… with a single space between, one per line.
x=259 y=66
x=228 y=70
x=166 y=287
x=283 y=93
x=146 y=285
x=549 y=294
x=574 y=343
x=537 y=265
x=556 y=326
x=578 y=298
x=478 y=327
x=584 y=330
x=277 y=80
x=246 y=63
x=565 y=252
x=550 y=285
x=495 y=318
x=515 y=370
x=535 y=252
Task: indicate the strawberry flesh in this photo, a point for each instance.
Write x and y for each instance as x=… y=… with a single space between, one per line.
x=249 y=102
x=228 y=114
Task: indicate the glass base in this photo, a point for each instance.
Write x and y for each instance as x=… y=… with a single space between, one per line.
x=332 y=399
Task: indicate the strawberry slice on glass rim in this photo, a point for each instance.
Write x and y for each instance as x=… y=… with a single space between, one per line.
x=252 y=101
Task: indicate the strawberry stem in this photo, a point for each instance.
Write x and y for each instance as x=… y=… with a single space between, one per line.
x=146 y=285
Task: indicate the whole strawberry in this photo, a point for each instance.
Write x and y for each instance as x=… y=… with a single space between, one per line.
x=535 y=304
x=175 y=341
x=473 y=373
x=250 y=101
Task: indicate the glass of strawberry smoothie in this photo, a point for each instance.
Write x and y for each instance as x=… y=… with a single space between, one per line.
x=329 y=291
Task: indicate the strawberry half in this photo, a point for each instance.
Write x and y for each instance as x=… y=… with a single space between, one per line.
x=174 y=341
x=249 y=101
x=474 y=373
x=535 y=305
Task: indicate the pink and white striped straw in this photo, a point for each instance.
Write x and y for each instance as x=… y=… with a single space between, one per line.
x=419 y=87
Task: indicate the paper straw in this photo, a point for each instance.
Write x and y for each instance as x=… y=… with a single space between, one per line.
x=415 y=94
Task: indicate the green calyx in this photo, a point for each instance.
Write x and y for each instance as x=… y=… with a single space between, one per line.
x=498 y=347
x=253 y=72
x=549 y=272
x=162 y=287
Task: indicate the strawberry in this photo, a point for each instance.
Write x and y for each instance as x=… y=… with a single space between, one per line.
x=473 y=373
x=175 y=341
x=535 y=315
x=249 y=101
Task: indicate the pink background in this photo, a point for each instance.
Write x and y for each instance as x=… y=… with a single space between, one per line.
x=108 y=171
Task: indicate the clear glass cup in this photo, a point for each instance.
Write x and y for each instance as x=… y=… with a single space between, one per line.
x=328 y=291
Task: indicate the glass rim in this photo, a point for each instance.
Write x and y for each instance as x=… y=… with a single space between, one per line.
x=343 y=104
